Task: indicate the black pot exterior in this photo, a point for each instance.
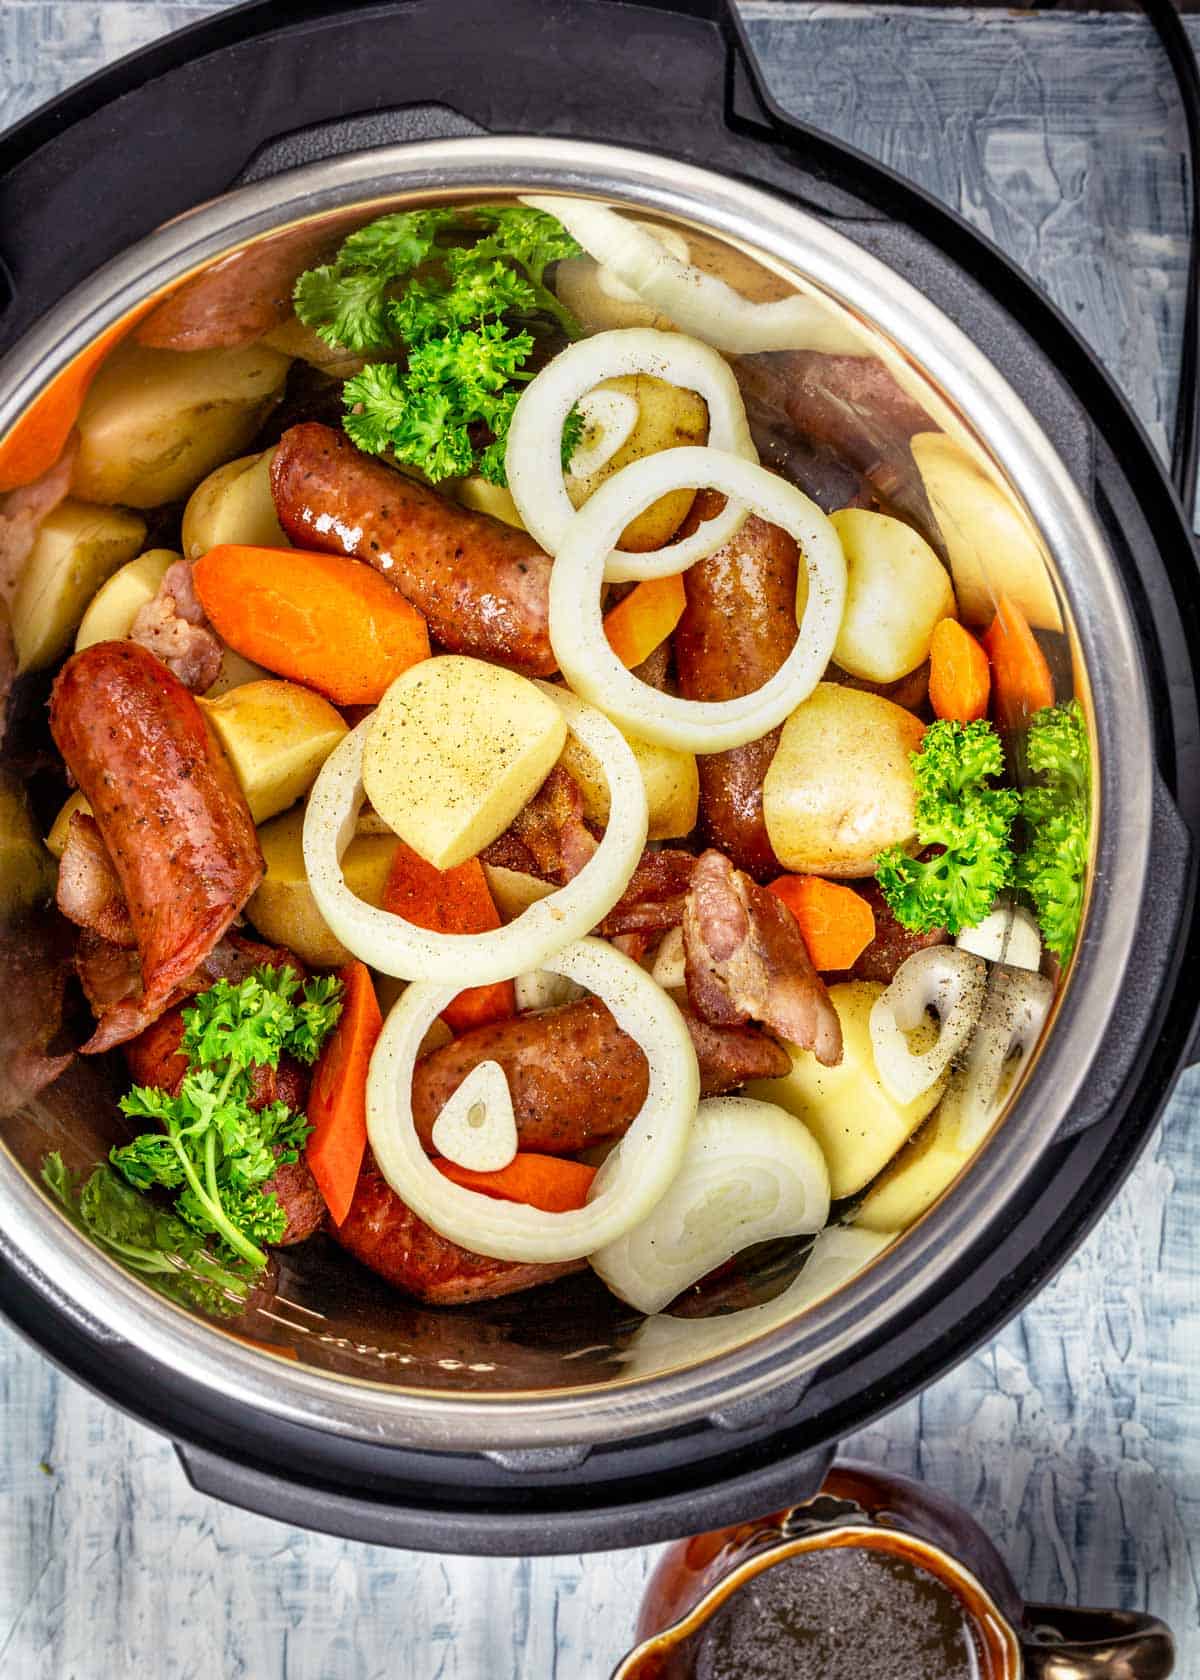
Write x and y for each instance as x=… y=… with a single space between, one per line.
x=258 y=96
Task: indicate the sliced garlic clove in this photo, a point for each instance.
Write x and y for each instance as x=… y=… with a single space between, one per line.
x=476 y=1127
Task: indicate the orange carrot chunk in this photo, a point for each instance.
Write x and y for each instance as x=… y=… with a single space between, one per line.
x=319 y=619
x=836 y=923
x=960 y=682
x=541 y=1181
x=1021 y=680
x=646 y=617
x=454 y=900
x=337 y=1102
x=35 y=442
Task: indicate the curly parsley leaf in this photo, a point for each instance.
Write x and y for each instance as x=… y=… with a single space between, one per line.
x=958 y=810
x=172 y=1257
x=1056 y=807
x=215 y=1147
x=464 y=299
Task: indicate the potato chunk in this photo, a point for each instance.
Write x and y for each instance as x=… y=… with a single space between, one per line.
x=56 y=840
x=155 y=422
x=669 y=776
x=667 y=417
x=26 y=867
x=911 y=1183
x=233 y=505
x=77 y=549
x=993 y=547
x=897 y=592
x=276 y=735
x=857 y=1124
x=110 y=616
x=483 y=496
x=840 y=787
x=283 y=909
x=456 y=749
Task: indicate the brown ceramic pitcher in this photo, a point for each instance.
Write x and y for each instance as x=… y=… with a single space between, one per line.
x=887 y=1579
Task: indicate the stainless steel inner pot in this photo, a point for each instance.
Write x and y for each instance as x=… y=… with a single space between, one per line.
x=561 y=1368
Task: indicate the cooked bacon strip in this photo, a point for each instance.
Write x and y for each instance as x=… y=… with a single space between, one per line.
x=548 y=837
x=170 y=812
x=576 y=1078
x=654 y=899
x=22 y=512
x=746 y=960
x=89 y=892
x=172 y=627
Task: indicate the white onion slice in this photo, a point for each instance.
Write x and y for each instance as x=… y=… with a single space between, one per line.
x=751 y=1171
x=477 y=1127
x=533 y=456
x=396 y=947
x=669 y=968
x=635 y=1176
x=1007 y=934
x=577 y=632
x=1014 y=1013
x=608 y=421
x=943 y=978
x=670 y=238
x=542 y=990
x=697 y=302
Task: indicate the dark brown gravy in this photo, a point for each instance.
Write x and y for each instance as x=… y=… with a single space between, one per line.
x=843 y=1613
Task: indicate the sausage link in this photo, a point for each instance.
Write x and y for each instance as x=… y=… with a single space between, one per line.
x=238 y=299
x=738 y=627
x=576 y=1078
x=170 y=812
x=483 y=586
x=385 y=1234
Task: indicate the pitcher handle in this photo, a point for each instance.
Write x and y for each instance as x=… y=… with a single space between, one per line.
x=1066 y=1644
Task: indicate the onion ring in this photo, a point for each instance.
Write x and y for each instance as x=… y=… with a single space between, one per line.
x=394 y=946
x=634 y=1178
x=576 y=629
x=951 y=981
x=698 y=302
x=533 y=457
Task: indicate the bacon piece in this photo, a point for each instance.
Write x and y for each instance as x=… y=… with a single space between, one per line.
x=111 y=977
x=746 y=960
x=654 y=899
x=385 y=1234
x=548 y=837
x=89 y=892
x=172 y=627
x=22 y=512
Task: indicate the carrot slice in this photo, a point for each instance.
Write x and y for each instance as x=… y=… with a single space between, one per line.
x=35 y=442
x=454 y=900
x=960 y=681
x=320 y=619
x=540 y=1181
x=337 y=1102
x=1021 y=680
x=836 y=922
x=646 y=617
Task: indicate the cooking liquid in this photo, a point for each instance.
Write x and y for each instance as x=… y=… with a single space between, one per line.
x=840 y=1613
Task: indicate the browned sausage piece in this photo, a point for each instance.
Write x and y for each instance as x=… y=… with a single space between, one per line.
x=239 y=298
x=738 y=627
x=385 y=1234
x=483 y=586
x=892 y=944
x=576 y=1079
x=745 y=959
x=170 y=812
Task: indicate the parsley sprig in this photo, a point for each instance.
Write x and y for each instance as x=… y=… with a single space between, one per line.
x=1056 y=806
x=465 y=298
x=214 y=1148
x=960 y=811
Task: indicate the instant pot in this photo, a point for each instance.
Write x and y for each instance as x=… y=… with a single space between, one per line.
x=551 y=1421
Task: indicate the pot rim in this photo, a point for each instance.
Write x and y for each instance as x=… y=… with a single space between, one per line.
x=112 y=1307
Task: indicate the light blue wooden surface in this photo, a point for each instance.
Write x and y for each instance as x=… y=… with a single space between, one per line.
x=1075 y=1435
